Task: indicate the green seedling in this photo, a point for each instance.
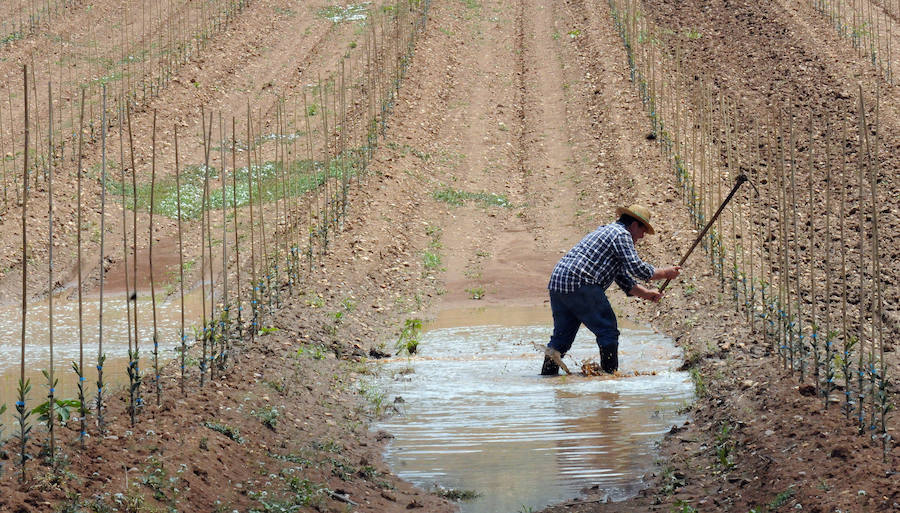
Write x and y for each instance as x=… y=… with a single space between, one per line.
x=724 y=447
x=62 y=408
x=432 y=261
x=699 y=384
x=268 y=416
x=458 y=198
x=408 y=341
x=684 y=507
x=316 y=352
x=476 y=292
x=781 y=499
x=231 y=432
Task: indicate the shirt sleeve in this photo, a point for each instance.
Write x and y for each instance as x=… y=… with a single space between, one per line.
x=625 y=282
x=631 y=262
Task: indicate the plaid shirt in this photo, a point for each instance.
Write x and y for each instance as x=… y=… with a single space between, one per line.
x=605 y=255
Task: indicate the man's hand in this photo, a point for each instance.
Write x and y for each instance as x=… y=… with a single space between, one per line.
x=666 y=273
x=645 y=293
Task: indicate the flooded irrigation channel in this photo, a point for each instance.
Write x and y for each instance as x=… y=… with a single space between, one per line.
x=474 y=415
x=66 y=346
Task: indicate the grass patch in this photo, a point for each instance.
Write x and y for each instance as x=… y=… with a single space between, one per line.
x=342 y=13
x=458 y=198
x=699 y=384
x=301 y=177
x=431 y=260
x=781 y=499
x=268 y=416
x=455 y=494
x=476 y=292
x=231 y=432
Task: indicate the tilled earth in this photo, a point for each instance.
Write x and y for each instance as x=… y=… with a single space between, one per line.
x=531 y=100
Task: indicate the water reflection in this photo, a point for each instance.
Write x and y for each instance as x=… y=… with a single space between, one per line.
x=476 y=416
x=66 y=346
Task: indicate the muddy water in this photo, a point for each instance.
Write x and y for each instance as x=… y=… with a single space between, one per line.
x=66 y=344
x=475 y=414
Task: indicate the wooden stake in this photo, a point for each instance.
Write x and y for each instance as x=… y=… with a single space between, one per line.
x=134 y=207
x=101 y=357
x=237 y=249
x=82 y=412
x=254 y=302
x=51 y=379
x=156 y=377
x=180 y=255
x=24 y=385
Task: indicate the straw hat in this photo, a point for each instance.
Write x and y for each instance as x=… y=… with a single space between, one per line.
x=639 y=212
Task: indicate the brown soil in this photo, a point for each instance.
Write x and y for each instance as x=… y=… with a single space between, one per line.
x=502 y=97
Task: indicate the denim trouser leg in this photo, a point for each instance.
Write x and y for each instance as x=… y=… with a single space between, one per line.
x=588 y=305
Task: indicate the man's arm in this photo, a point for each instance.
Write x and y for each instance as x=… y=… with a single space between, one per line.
x=666 y=273
x=663 y=273
x=645 y=293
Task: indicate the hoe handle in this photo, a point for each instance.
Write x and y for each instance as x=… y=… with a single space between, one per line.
x=740 y=180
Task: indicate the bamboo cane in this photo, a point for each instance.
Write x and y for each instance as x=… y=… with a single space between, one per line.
x=51 y=379
x=101 y=357
x=79 y=370
x=24 y=385
x=180 y=256
x=136 y=360
x=156 y=376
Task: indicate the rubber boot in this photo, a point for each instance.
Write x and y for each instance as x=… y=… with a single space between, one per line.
x=609 y=358
x=550 y=368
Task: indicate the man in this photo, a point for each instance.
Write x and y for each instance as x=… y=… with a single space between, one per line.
x=579 y=281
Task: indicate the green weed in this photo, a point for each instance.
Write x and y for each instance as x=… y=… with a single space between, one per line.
x=301 y=176
x=431 y=260
x=684 y=507
x=231 y=432
x=408 y=341
x=315 y=351
x=724 y=447
x=268 y=416
x=671 y=481
x=781 y=499
x=340 y=14
x=458 y=198
x=699 y=384
x=455 y=494
x=375 y=397
x=475 y=292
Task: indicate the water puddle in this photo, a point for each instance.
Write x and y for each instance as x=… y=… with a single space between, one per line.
x=475 y=414
x=66 y=344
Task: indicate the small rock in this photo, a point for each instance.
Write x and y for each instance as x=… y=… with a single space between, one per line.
x=840 y=452
x=807 y=390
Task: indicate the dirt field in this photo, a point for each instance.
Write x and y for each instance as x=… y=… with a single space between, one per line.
x=531 y=100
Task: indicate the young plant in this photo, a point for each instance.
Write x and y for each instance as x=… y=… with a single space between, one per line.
x=232 y=433
x=134 y=380
x=268 y=416
x=408 y=340
x=724 y=446
x=60 y=411
x=22 y=415
x=476 y=292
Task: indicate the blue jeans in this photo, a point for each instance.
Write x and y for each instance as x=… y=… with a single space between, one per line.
x=588 y=305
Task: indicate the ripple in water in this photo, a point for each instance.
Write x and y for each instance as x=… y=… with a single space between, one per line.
x=476 y=416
